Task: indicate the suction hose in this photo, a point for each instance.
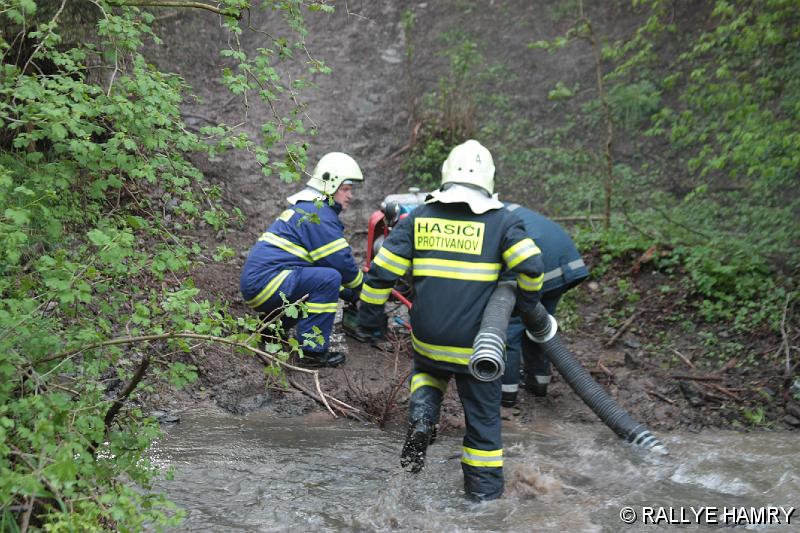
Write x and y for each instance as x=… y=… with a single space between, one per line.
x=488 y=361
x=541 y=328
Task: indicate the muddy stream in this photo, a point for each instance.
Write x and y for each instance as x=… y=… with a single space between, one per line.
x=262 y=473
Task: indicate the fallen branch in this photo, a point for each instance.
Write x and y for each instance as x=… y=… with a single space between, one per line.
x=660 y=396
x=349 y=411
x=578 y=218
x=785 y=340
x=600 y=366
x=723 y=390
x=684 y=359
x=622 y=328
x=696 y=378
x=173 y=335
x=265 y=357
x=26 y=518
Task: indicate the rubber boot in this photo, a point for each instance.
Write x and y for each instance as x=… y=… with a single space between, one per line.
x=508 y=399
x=330 y=359
x=537 y=384
x=421 y=433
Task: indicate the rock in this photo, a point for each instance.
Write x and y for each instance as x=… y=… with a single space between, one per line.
x=791 y=420
x=632 y=343
x=165 y=417
x=691 y=394
x=793 y=409
x=593 y=286
x=631 y=360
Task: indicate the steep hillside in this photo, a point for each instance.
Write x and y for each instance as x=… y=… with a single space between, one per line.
x=390 y=61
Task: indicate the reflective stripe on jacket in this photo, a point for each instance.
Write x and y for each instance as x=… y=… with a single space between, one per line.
x=456 y=258
x=295 y=241
x=563 y=264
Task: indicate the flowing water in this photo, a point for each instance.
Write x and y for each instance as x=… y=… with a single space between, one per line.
x=260 y=473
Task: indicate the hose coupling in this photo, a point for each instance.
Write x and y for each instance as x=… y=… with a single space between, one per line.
x=546 y=333
x=488 y=360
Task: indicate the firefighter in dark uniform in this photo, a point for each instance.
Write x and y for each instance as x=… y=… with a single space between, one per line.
x=297 y=256
x=456 y=245
x=563 y=269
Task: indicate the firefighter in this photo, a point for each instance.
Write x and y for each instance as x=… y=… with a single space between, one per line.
x=456 y=245
x=563 y=269
x=297 y=256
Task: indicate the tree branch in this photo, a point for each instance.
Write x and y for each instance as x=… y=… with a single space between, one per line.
x=176 y=3
x=117 y=405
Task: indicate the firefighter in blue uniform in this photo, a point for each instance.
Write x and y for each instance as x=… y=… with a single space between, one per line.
x=563 y=269
x=456 y=245
x=297 y=256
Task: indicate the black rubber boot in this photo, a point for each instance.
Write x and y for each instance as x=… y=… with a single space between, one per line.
x=537 y=385
x=421 y=433
x=508 y=399
x=321 y=360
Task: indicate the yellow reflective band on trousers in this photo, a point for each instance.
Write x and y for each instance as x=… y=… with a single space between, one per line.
x=356 y=281
x=529 y=284
x=520 y=252
x=426 y=380
x=286 y=245
x=446 y=354
x=314 y=307
x=375 y=296
x=328 y=249
x=482 y=458
x=269 y=290
x=464 y=270
x=391 y=262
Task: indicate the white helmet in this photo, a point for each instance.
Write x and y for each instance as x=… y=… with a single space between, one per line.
x=332 y=170
x=470 y=163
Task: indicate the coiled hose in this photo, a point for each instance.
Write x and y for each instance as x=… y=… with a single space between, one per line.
x=488 y=363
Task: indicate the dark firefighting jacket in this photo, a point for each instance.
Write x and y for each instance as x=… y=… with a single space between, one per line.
x=563 y=265
x=456 y=258
x=295 y=241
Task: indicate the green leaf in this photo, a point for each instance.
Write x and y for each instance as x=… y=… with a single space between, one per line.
x=20 y=217
x=98 y=238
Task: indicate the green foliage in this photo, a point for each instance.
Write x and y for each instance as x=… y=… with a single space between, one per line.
x=633 y=104
x=716 y=149
x=96 y=191
x=424 y=162
x=447 y=116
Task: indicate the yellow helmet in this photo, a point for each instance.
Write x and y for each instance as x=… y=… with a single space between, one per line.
x=469 y=163
x=332 y=170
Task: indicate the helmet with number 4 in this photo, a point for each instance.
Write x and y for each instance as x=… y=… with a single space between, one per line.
x=469 y=163
x=332 y=170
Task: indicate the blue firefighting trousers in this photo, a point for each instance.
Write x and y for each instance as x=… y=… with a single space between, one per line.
x=536 y=362
x=322 y=285
x=482 y=454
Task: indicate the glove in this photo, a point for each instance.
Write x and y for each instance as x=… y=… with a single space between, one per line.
x=350 y=295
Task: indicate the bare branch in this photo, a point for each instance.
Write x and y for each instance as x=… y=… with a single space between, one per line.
x=176 y=3
x=42 y=41
x=117 y=405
